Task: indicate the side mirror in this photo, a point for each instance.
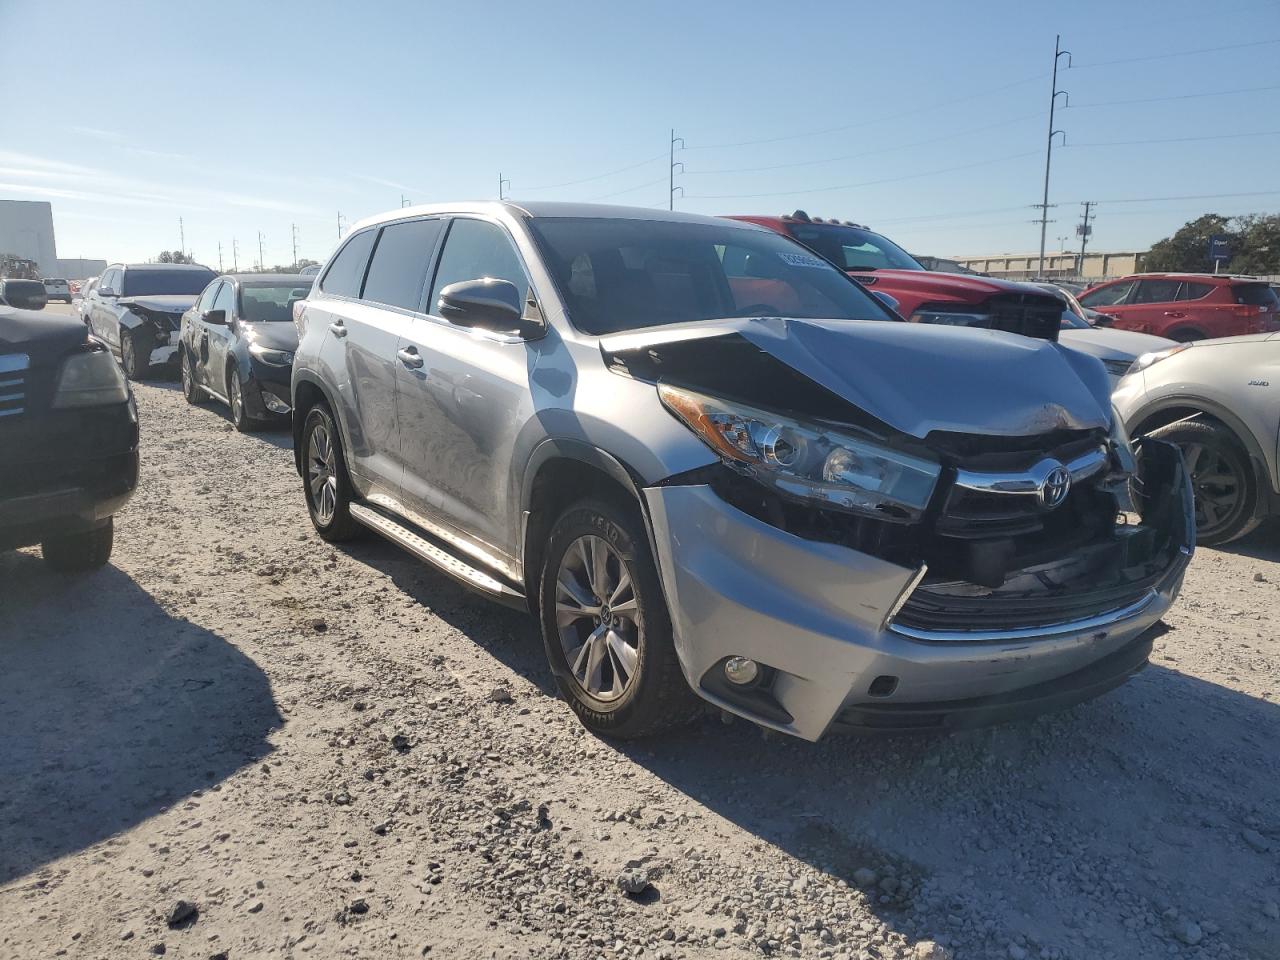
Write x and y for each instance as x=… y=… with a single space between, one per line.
x=216 y=317
x=888 y=300
x=486 y=304
x=106 y=292
x=1101 y=319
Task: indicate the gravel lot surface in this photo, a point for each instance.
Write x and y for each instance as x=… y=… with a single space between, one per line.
x=338 y=752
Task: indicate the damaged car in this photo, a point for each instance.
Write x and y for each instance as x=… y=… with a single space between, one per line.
x=136 y=310
x=719 y=472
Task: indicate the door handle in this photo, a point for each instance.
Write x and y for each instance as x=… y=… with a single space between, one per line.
x=1174 y=313
x=338 y=328
x=410 y=357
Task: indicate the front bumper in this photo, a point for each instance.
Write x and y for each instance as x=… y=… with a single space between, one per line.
x=164 y=349
x=267 y=395
x=818 y=616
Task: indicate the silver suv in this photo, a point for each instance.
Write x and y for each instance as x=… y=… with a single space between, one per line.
x=711 y=464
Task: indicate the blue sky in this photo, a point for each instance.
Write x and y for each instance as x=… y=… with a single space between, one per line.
x=925 y=120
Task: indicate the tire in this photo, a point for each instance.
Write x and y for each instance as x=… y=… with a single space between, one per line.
x=77 y=552
x=1222 y=478
x=190 y=389
x=130 y=346
x=235 y=399
x=629 y=693
x=334 y=524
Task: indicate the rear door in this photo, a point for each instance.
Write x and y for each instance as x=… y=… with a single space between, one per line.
x=102 y=312
x=359 y=353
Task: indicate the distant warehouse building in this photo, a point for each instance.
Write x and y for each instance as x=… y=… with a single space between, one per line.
x=26 y=231
x=1023 y=266
x=80 y=269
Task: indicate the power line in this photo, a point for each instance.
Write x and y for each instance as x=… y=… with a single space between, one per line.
x=598 y=176
x=1224 y=136
x=618 y=193
x=1167 y=56
x=1184 y=96
x=866 y=183
x=864 y=123
x=1195 y=196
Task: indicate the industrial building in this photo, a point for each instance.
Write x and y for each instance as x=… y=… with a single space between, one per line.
x=1023 y=266
x=26 y=233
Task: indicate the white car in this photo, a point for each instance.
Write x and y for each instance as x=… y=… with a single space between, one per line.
x=1219 y=401
x=56 y=288
x=86 y=288
x=1117 y=349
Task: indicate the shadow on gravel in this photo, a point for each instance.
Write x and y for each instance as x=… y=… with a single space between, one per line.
x=1149 y=788
x=111 y=710
x=1262 y=544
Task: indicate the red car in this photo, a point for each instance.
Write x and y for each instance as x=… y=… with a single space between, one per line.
x=1187 y=306
x=920 y=295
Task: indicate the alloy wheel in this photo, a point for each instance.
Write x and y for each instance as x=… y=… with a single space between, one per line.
x=236 y=399
x=598 y=618
x=1216 y=484
x=188 y=380
x=129 y=356
x=322 y=476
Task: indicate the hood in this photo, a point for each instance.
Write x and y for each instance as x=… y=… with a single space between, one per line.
x=914 y=378
x=161 y=303
x=44 y=337
x=958 y=287
x=1108 y=344
x=277 y=335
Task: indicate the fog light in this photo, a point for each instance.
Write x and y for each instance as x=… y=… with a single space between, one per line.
x=274 y=403
x=741 y=670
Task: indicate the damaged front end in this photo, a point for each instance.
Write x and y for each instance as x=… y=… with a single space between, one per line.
x=154 y=328
x=885 y=576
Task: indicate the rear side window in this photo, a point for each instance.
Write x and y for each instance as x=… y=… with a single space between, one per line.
x=399 y=263
x=476 y=249
x=1107 y=296
x=1194 y=291
x=346 y=273
x=1157 y=291
x=1255 y=295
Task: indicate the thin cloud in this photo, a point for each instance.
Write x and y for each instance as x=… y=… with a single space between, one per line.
x=115 y=136
x=388 y=183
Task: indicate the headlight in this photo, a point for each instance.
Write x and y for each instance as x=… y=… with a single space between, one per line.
x=808 y=461
x=1147 y=359
x=90 y=378
x=276 y=358
x=950 y=319
x=1117 y=368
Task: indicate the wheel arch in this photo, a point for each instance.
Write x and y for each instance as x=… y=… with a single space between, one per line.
x=307 y=391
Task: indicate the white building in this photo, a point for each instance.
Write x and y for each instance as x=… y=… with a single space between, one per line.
x=26 y=230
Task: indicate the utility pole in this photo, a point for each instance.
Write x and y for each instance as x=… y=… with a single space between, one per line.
x=1084 y=230
x=235 y=255
x=220 y=270
x=294 y=229
x=404 y=202
x=1058 y=53
x=182 y=238
x=261 y=266
x=501 y=182
x=339 y=224
x=671 y=171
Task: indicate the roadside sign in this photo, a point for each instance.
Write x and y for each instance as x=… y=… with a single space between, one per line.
x=1219 y=248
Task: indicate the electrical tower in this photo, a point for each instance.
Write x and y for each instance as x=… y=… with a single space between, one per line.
x=501 y=183
x=1058 y=53
x=261 y=266
x=235 y=255
x=671 y=171
x=220 y=270
x=182 y=238
x=294 y=230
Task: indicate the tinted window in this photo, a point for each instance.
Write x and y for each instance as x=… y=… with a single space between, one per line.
x=400 y=261
x=1194 y=291
x=853 y=247
x=621 y=274
x=346 y=273
x=475 y=249
x=271 y=302
x=1157 y=291
x=1255 y=294
x=1107 y=296
x=141 y=282
x=206 y=299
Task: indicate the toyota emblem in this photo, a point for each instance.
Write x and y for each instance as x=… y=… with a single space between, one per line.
x=1055 y=487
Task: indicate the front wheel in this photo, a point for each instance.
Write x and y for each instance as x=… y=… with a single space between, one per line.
x=605 y=624
x=190 y=389
x=1222 y=479
x=235 y=399
x=326 y=483
x=77 y=552
x=131 y=351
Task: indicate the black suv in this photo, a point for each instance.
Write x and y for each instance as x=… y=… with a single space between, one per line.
x=69 y=432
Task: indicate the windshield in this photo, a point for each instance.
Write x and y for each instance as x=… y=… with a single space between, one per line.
x=149 y=283
x=855 y=248
x=620 y=274
x=272 y=302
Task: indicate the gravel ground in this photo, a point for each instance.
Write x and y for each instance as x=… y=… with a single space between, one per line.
x=338 y=752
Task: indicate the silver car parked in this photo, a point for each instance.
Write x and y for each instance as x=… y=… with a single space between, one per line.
x=714 y=467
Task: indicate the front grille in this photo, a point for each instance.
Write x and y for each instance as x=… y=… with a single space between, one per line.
x=13 y=384
x=925 y=610
x=1030 y=314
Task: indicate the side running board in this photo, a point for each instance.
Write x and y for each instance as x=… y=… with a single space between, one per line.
x=424 y=549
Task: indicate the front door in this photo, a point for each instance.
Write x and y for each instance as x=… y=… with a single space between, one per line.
x=219 y=336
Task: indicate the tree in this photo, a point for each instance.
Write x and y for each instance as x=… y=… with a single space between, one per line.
x=1254 y=240
x=175 y=256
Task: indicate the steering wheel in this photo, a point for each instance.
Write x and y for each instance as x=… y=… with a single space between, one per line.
x=758 y=310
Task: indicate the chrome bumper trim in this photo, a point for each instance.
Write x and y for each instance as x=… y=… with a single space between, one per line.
x=1031 y=480
x=1045 y=631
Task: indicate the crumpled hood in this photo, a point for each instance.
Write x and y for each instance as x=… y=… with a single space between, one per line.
x=1109 y=344
x=919 y=378
x=276 y=335
x=959 y=287
x=161 y=303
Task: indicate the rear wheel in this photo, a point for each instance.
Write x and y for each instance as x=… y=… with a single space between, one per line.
x=76 y=552
x=326 y=484
x=605 y=624
x=1222 y=478
x=190 y=389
